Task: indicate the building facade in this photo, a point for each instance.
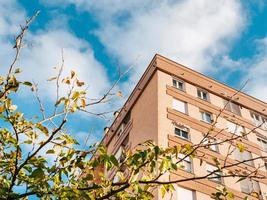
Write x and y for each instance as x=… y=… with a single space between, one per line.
x=172 y=104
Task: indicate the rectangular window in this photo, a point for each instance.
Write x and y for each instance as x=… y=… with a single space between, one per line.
x=183 y=194
x=243 y=156
x=206 y=117
x=263 y=144
x=178 y=84
x=179 y=106
x=182 y=133
x=216 y=176
x=202 y=94
x=119 y=155
x=235 y=128
x=259 y=120
x=232 y=107
x=120 y=129
x=255 y=118
x=264 y=125
x=211 y=144
x=186 y=164
x=249 y=186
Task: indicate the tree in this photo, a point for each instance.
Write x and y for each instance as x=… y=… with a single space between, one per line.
x=81 y=174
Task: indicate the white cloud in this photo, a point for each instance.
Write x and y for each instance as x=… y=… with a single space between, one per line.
x=190 y=32
x=257 y=72
x=194 y=33
x=11 y=15
x=38 y=61
x=44 y=52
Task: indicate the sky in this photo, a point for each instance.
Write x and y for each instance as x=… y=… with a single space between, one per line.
x=224 y=39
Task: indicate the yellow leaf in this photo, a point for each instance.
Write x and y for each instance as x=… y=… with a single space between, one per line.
x=75 y=95
x=2 y=108
x=59 y=101
x=42 y=128
x=119 y=94
x=12 y=108
x=79 y=83
x=66 y=80
x=52 y=78
x=83 y=103
x=73 y=107
x=240 y=147
x=67 y=103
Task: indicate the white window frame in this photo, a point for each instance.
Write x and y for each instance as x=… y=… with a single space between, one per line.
x=200 y=94
x=230 y=107
x=236 y=129
x=260 y=121
x=186 y=130
x=183 y=193
x=120 y=129
x=249 y=186
x=204 y=116
x=263 y=143
x=212 y=147
x=119 y=154
x=241 y=156
x=176 y=83
x=179 y=105
x=186 y=164
x=216 y=176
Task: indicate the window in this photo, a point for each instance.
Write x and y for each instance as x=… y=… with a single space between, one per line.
x=186 y=164
x=232 y=107
x=120 y=129
x=216 y=176
x=202 y=94
x=249 y=186
x=179 y=106
x=178 y=84
x=259 y=120
x=264 y=121
x=255 y=118
x=116 y=179
x=243 y=156
x=235 y=128
x=124 y=123
x=263 y=144
x=206 y=116
x=211 y=144
x=182 y=133
x=119 y=155
x=183 y=193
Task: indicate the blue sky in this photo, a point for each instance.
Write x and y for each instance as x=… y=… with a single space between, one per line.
x=225 y=39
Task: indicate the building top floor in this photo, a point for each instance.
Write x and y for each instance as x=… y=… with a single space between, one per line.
x=196 y=86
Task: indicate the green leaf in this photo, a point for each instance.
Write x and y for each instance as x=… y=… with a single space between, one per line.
x=18 y=70
x=27 y=142
x=114 y=161
x=37 y=174
x=27 y=83
x=50 y=151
